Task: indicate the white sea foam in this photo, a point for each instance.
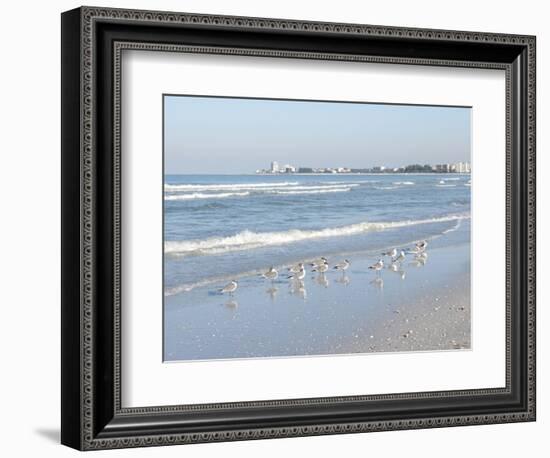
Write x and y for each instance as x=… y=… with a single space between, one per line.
x=220 y=187
x=247 y=240
x=386 y=187
x=348 y=183
x=308 y=188
x=273 y=190
x=200 y=195
x=446 y=185
x=205 y=282
x=255 y=188
x=408 y=183
x=312 y=191
x=454 y=228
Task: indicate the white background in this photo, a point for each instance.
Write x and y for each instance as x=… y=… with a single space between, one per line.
x=30 y=259
x=147 y=76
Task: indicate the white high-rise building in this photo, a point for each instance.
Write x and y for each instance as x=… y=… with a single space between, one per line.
x=274 y=167
x=461 y=167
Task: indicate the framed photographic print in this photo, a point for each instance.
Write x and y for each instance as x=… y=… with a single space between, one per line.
x=278 y=228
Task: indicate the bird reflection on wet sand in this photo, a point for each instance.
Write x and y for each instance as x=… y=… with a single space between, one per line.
x=418 y=262
x=298 y=288
x=397 y=269
x=272 y=292
x=322 y=280
x=378 y=283
x=343 y=280
x=232 y=305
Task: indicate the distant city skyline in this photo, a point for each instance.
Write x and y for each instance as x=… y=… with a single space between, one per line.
x=457 y=167
x=217 y=135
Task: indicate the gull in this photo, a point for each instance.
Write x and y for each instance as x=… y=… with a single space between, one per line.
x=298 y=275
x=377 y=266
x=422 y=245
x=343 y=266
x=318 y=262
x=296 y=268
x=400 y=258
x=321 y=268
x=271 y=274
x=229 y=288
x=415 y=250
x=392 y=253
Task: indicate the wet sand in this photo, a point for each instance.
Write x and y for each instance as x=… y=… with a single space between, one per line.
x=419 y=307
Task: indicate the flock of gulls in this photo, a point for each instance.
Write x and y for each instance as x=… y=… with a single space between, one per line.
x=297 y=272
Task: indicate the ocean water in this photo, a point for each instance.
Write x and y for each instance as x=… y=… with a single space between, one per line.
x=223 y=227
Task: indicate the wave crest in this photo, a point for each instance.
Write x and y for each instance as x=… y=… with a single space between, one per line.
x=247 y=240
x=245 y=191
x=312 y=191
x=199 y=195
x=220 y=187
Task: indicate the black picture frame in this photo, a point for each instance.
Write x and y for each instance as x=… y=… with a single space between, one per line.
x=92 y=40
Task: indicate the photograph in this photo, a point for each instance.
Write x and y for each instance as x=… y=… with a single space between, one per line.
x=309 y=228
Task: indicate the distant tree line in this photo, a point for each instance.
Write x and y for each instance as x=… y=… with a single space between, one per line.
x=417 y=168
x=412 y=168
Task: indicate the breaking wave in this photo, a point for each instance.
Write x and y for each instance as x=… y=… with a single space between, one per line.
x=248 y=240
x=245 y=190
x=454 y=228
x=312 y=191
x=200 y=195
x=220 y=187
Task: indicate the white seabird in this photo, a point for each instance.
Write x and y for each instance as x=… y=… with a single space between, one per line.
x=296 y=268
x=377 y=266
x=298 y=275
x=343 y=266
x=271 y=274
x=422 y=245
x=318 y=262
x=400 y=258
x=415 y=250
x=321 y=268
x=392 y=253
x=230 y=287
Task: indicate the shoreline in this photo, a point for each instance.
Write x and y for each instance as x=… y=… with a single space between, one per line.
x=418 y=308
x=320 y=174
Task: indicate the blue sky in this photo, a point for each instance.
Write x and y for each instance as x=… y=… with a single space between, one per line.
x=219 y=135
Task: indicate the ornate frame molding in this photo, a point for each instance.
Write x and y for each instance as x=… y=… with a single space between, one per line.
x=89 y=437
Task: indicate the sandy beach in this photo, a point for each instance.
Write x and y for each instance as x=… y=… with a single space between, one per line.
x=418 y=307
